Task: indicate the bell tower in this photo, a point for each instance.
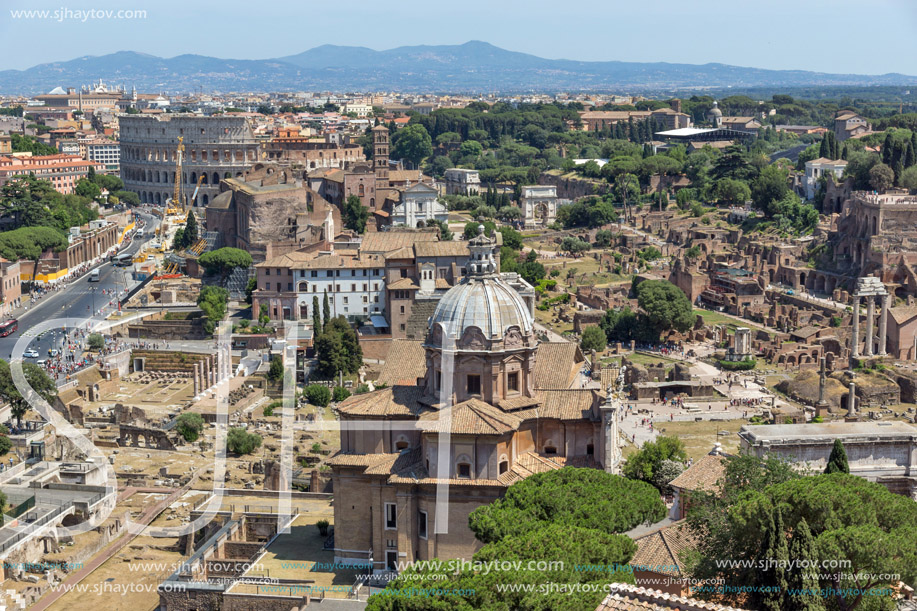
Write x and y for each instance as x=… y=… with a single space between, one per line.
x=380 y=156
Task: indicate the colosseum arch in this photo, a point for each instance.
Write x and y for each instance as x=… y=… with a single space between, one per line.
x=216 y=178
x=158 y=198
x=205 y=199
x=194 y=178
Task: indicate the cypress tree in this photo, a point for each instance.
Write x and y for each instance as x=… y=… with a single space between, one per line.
x=823 y=148
x=191 y=231
x=778 y=554
x=844 y=152
x=836 y=147
x=631 y=132
x=887 y=150
x=326 y=311
x=316 y=317
x=837 y=461
x=914 y=142
x=804 y=577
x=909 y=156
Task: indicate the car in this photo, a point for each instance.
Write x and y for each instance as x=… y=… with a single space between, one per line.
x=41 y=363
x=30 y=354
x=53 y=352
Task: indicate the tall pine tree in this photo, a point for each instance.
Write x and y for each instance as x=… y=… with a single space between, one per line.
x=191 y=230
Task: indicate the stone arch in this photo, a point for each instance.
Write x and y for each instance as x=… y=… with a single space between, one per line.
x=875 y=224
x=462 y=461
x=194 y=178
x=503 y=464
x=158 y=198
x=216 y=178
x=802 y=279
x=227 y=175
x=205 y=199
x=303 y=287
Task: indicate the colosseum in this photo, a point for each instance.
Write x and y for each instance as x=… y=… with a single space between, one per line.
x=215 y=148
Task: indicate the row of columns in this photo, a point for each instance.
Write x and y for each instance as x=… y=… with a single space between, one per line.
x=870 y=319
x=212 y=369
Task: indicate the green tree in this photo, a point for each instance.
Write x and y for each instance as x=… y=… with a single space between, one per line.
x=646 y=462
x=178 y=239
x=326 y=313
x=909 y=179
x=585 y=498
x=593 y=339
x=88 y=189
x=732 y=192
x=603 y=238
x=275 y=371
x=770 y=186
x=511 y=238
x=665 y=305
x=316 y=317
x=316 y=394
x=30 y=242
x=95 y=341
x=445 y=235
x=189 y=425
x=837 y=461
x=338 y=349
x=224 y=261
x=574 y=246
x=413 y=143
x=239 y=441
x=340 y=393
x=881 y=177
x=212 y=300
x=37 y=379
x=355 y=214
x=191 y=233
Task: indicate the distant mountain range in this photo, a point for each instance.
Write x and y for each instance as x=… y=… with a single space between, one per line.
x=474 y=67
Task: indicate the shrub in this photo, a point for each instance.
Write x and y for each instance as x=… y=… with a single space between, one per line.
x=95 y=341
x=362 y=388
x=316 y=448
x=322 y=526
x=737 y=365
x=319 y=395
x=189 y=426
x=275 y=373
x=340 y=393
x=239 y=441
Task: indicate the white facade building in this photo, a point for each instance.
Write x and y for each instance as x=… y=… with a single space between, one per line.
x=817 y=168
x=461 y=181
x=419 y=203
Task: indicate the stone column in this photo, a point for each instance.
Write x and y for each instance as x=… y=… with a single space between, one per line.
x=197 y=378
x=870 y=329
x=851 y=401
x=883 y=325
x=855 y=338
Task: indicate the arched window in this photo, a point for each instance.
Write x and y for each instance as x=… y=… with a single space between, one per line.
x=194 y=178
x=205 y=199
x=303 y=287
x=203 y=178
x=401 y=443
x=550 y=448
x=361 y=190
x=503 y=465
x=216 y=178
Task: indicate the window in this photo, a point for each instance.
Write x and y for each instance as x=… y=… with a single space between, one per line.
x=314 y=274
x=391 y=517
x=345 y=300
x=267 y=271
x=512 y=381
x=401 y=444
x=402 y=326
x=437 y=379
x=474 y=384
x=504 y=466
x=267 y=286
x=464 y=470
x=289 y=286
x=402 y=309
x=330 y=273
x=353 y=272
x=422 y=524
x=550 y=450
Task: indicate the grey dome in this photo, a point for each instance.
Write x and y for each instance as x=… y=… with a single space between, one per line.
x=487 y=303
x=715 y=111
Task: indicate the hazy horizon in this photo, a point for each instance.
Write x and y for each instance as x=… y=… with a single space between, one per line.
x=783 y=35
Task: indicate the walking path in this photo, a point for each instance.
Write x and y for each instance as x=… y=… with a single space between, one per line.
x=146 y=518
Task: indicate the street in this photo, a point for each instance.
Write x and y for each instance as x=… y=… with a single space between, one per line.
x=79 y=299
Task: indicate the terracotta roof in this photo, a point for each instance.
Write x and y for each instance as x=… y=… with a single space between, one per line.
x=471 y=417
x=361 y=460
x=902 y=314
x=405 y=252
x=627 y=597
x=311 y=260
x=703 y=474
x=517 y=403
x=387 y=241
x=387 y=402
x=403 y=283
x=531 y=463
x=450 y=248
x=405 y=362
x=404 y=175
x=569 y=404
x=659 y=551
x=556 y=364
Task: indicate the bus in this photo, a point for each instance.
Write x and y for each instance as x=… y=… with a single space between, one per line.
x=94 y=275
x=8 y=327
x=123 y=260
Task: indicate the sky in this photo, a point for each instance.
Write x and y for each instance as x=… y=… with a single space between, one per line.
x=840 y=36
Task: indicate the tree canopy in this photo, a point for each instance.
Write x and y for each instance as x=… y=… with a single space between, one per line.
x=666 y=306
x=36 y=377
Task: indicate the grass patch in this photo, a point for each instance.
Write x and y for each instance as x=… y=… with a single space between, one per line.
x=699 y=437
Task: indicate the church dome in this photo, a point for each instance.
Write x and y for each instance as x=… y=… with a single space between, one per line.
x=482 y=300
x=715 y=111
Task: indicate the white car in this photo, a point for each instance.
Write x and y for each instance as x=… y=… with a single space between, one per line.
x=30 y=354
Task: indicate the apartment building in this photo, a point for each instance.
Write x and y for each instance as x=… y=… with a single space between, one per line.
x=62 y=171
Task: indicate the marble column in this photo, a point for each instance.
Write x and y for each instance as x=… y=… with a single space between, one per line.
x=870 y=329
x=855 y=338
x=883 y=325
x=851 y=401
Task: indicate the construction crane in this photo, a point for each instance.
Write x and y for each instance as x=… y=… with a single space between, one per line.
x=196 y=189
x=176 y=203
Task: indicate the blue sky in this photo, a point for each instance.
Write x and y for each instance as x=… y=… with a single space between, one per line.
x=848 y=36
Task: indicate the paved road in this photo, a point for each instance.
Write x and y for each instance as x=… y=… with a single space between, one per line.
x=78 y=300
